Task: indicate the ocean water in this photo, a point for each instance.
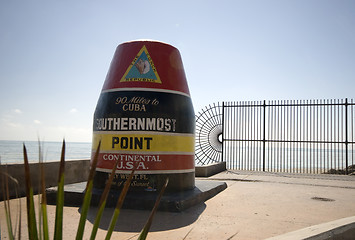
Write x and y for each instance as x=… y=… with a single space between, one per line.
x=12 y=151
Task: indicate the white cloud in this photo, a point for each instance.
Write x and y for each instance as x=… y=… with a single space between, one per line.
x=10 y=120
x=71 y=133
x=18 y=111
x=14 y=125
x=73 y=110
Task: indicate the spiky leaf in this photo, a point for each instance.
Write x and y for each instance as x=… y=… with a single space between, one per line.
x=145 y=230
x=102 y=203
x=119 y=204
x=31 y=215
x=87 y=196
x=43 y=202
x=58 y=225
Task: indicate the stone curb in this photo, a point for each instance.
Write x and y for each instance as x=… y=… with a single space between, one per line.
x=209 y=170
x=339 y=229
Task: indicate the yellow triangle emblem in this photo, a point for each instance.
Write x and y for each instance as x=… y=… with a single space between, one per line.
x=141 y=69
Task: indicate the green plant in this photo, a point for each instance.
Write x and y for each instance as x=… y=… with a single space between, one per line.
x=6 y=198
x=42 y=231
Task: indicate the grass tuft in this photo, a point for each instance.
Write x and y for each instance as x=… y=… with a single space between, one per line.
x=58 y=226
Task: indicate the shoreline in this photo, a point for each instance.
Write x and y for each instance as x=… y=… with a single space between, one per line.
x=12 y=151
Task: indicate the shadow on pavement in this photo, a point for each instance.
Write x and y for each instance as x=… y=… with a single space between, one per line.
x=134 y=220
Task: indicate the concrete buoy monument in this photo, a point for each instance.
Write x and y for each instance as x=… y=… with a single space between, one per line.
x=144 y=117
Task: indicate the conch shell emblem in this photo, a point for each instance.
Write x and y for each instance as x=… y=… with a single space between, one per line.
x=142 y=66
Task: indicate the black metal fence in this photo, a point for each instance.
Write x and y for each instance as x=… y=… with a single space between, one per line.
x=309 y=136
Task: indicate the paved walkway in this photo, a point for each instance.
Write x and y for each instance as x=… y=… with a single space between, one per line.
x=255 y=205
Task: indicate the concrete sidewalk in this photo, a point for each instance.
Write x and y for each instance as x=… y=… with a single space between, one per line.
x=255 y=205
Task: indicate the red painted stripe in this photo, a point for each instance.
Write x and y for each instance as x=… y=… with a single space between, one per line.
x=166 y=59
x=150 y=162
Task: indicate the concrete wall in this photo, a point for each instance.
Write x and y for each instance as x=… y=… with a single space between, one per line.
x=209 y=170
x=75 y=171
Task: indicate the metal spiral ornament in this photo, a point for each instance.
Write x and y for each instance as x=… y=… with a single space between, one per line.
x=209 y=129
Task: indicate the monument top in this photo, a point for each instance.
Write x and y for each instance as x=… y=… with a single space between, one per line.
x=147 y=64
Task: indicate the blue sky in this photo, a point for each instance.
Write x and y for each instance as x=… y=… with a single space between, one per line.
x=54 y=55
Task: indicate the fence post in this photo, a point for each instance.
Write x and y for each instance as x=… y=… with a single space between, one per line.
x=346 y=136
x=223 y=131
x=264 y=135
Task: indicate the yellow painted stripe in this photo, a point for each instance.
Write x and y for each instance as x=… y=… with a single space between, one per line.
x=144 y=142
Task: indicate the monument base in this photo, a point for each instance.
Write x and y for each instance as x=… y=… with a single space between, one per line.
x=147 y=182
x=171 y=201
